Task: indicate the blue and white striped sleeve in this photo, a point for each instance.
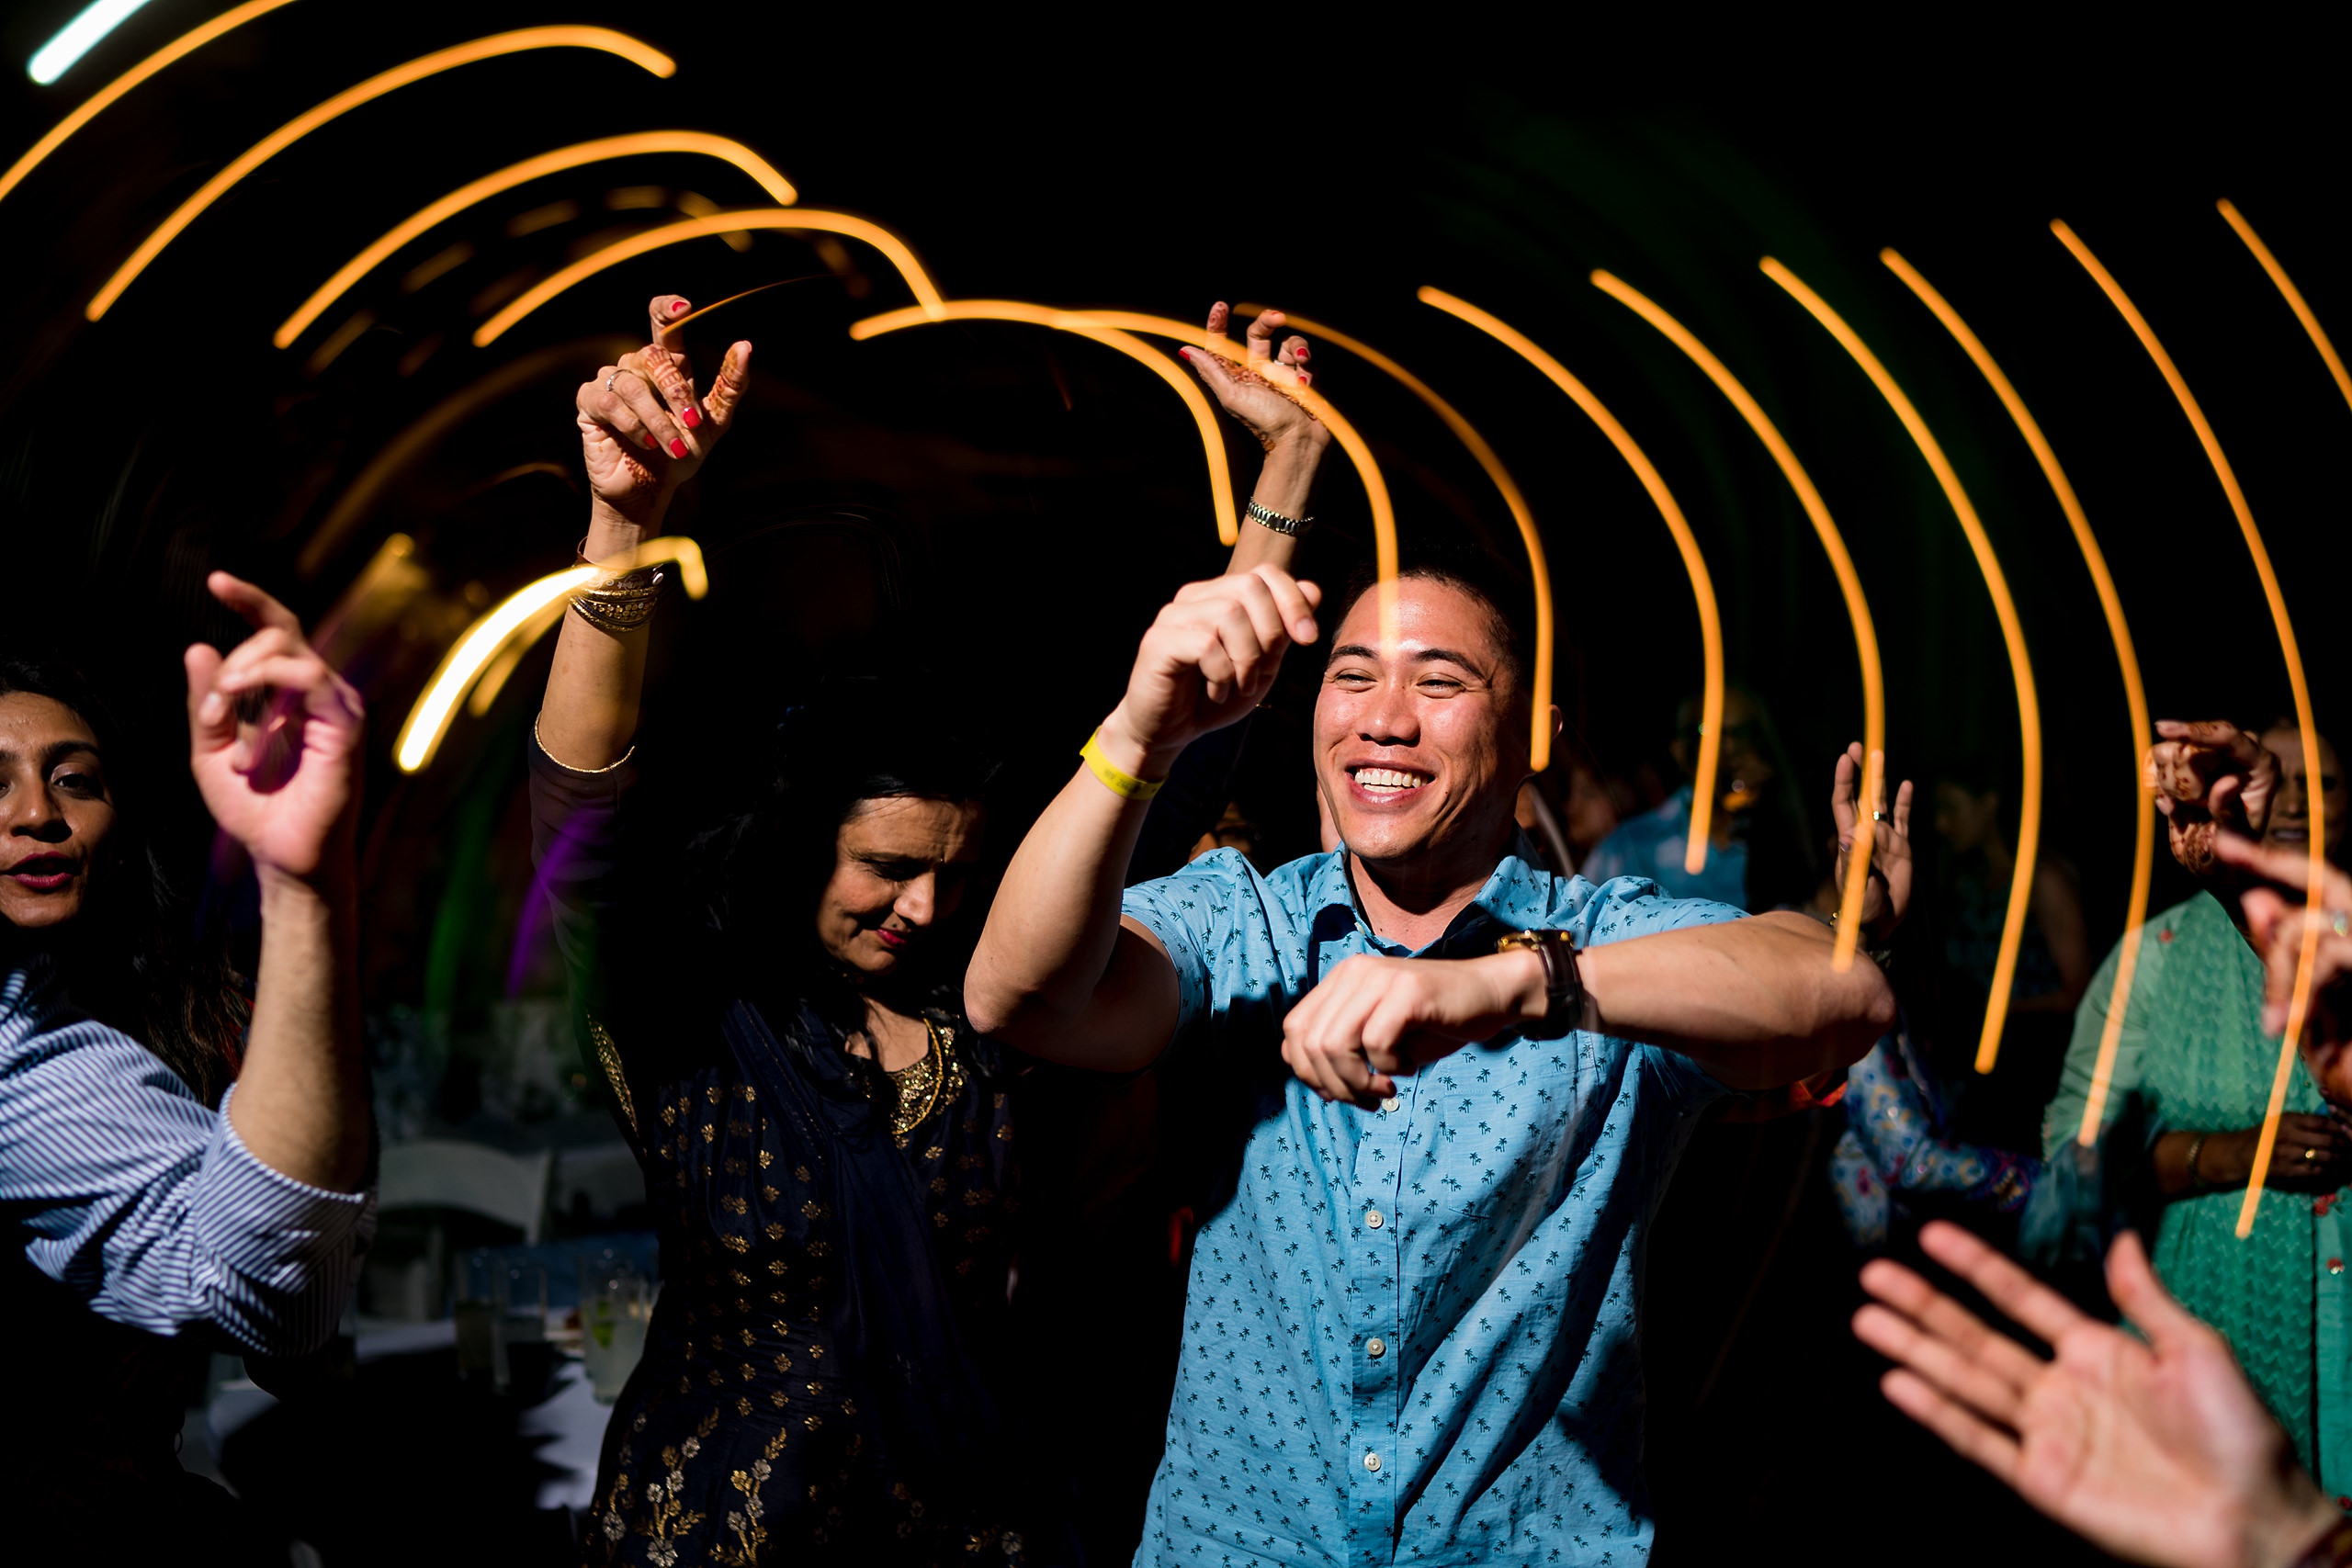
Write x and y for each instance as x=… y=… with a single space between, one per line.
x=122 y=1186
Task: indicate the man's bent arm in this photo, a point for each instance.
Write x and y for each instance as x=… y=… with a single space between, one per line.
x=1057 y=974
x=1756 y=1003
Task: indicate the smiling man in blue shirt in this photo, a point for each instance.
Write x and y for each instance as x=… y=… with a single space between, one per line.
x=1411 y=1334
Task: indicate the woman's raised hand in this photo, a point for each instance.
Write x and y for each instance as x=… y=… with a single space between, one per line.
x=643 y=430
x=2207 y=777
x=1252 y=392
x=274 y=739
x=1887 y=896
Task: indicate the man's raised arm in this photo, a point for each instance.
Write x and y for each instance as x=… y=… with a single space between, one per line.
x=1057 y=974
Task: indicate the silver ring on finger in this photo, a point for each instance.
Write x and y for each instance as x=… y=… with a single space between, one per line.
x=2340 y=922
x=1878 y=815
x=610 y=379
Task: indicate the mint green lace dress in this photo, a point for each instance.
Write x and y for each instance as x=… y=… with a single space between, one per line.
x=2192 y=1048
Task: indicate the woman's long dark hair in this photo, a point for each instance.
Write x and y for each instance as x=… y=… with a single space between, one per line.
x=132 y=959
x=850 y=741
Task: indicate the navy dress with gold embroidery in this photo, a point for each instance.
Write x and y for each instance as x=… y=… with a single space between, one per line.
x=819 y=1377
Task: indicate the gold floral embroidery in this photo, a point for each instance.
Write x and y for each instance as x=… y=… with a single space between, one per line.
x=609 y=1056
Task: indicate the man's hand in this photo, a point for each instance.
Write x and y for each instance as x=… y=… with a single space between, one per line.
x=1374 y=1017
x=1253 y=392
x=2157 y=1451
x=642 y=431
x=1886 y=896
x=1210 y=657
x=274 y=739
x=2277 y=919
x=2208 y=777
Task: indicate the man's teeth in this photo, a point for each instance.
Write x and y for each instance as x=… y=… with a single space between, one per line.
x=1388 y=778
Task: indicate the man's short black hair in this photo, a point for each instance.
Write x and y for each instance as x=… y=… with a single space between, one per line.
x=1510 y=601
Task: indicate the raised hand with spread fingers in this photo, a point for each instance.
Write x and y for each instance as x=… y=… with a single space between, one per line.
x=1261 y=394
x=2155 y=1447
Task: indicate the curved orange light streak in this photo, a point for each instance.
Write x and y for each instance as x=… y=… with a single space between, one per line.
x=1375 y=488
x=521 y=617
x=2135 y=695
x=604 y=39
x=1694 y=565
x=1833 y=544
x=779 y=190
x=1540 y=718
x=2294 y=297
x=1196 y=402
x=893 y=249
x=97 y=103
x=2299 y=1005
x=2005 y=610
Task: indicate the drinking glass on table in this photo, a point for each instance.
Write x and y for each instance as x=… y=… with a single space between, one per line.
x=615 y=1301
x=526 y=1360
x=481 y=1279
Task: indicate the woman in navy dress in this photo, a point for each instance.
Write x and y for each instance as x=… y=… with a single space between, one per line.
x=829 y=1150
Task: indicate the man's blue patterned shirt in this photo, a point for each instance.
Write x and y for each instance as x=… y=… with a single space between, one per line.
x=1410 y=1333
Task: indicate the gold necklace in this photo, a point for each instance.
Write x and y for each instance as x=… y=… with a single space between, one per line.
x=920 y=1087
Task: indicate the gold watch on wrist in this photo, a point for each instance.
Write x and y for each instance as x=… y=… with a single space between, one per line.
x=1563 y=986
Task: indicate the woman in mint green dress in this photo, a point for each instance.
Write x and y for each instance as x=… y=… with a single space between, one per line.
x=2192 y=1053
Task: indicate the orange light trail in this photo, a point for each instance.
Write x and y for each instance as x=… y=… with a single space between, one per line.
x=1375 y=488
x=1196 y=402
x=1694 y=565
x=1087 y=322
x=2301 y=1001
x=761 y=172
x=2135 y=695
x=1849 y=584
x=522 y=618
x=2004 y=609
x=641 y=55
x=2294 y=297
x=1539 y=719
x=97 y=103
x=808 y=219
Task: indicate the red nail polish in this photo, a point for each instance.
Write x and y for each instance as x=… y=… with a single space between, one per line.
x=677 y=448
x=1185 y=355
x=677 y=306
x=689 y=418
x=649 y=443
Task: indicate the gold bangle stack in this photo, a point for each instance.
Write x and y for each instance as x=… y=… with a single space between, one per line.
x=620 y=602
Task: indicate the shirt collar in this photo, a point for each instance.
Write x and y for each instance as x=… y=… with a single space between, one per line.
x=1518 y=895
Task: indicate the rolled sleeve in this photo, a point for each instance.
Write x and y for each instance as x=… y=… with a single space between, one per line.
x=124 y=1188
x=1239 y=958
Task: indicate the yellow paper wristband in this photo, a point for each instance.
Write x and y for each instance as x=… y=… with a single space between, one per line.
x=1116 y=780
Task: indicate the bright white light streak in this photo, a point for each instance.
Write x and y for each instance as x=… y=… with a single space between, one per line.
x=56 y=57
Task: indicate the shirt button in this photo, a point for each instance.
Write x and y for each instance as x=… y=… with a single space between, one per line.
x=1391 y=1104
x=2335 y=1266
x=1375 y=1348
x=1371 y=1462
x=1372 y=1217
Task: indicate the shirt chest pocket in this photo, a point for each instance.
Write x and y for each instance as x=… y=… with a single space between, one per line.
x=1493 y=1125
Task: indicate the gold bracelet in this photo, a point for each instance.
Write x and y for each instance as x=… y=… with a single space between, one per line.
x=568 y=767
x=1119 y=781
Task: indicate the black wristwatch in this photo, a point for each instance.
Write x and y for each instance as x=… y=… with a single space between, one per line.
x=1563 y=986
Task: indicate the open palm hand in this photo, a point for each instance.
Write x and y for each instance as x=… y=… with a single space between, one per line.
x=2156 y=1450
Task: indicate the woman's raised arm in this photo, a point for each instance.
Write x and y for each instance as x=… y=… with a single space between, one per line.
x=643 y=433
x=1293 y=438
